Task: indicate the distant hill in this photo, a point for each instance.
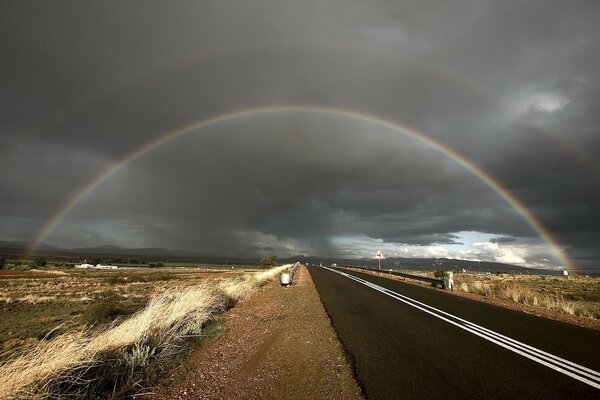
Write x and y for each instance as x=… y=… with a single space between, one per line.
x=123 y=251
x=414 y=263
x=25 y=246
x=18 y=248
x=157 y=253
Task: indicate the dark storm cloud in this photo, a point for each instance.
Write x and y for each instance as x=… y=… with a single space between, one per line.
x=502 y=239
x=84 y=84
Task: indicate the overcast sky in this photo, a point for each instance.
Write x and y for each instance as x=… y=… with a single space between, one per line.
x=513 y=86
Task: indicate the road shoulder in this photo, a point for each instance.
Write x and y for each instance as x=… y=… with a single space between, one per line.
x=279 y=344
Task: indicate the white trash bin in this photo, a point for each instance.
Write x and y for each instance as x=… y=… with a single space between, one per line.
x=285 y=279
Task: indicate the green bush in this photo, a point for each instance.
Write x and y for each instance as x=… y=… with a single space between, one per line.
x=268 y=261
x=40 y=262
x=138 y=356
x=440 y=273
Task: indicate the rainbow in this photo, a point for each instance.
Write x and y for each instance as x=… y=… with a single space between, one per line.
x=442 y=149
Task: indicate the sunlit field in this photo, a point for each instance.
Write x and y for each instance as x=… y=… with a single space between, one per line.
x=579 y=295
x=43 y=303
x=115 y=329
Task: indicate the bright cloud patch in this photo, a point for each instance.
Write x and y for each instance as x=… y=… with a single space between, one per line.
x=473 y=246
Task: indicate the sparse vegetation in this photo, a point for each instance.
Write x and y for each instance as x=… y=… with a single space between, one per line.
x=579 y=296
x=106 y=361
x=40 y=262
x=268 y=261
x=440 y=273
x=34 y=302
x=104 y=310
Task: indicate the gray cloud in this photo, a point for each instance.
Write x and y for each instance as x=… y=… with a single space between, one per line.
x=510 y=85
x=502 y=239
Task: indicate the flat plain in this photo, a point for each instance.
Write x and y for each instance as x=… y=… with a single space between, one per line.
x=44 y=303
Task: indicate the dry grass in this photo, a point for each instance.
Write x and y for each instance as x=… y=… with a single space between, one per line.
x=29 y=299
x=60 y=366
x=574 y=297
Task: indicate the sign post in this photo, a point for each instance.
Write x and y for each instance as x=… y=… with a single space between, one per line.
x=379 y=256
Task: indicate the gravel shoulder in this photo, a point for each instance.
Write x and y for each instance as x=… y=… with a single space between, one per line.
x=278 y=344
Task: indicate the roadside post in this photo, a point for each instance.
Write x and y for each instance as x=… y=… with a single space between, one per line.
x=379 y=256
x=449 y=281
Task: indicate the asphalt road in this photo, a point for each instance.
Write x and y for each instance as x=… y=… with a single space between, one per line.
x=411 y=342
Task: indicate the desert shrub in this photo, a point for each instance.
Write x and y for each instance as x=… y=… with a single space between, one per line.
x=114 y=280
x=268 y=261
x=104 y=310
x=518 y=294
x=138 y=356
x=440 y=273
x=477 y=288
x=40 y=262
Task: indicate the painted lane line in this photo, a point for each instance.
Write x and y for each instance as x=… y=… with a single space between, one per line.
x=559 y=362
x=525 y=347
x=552 y=364
x=555 y=360
x=566 y=367
x=497 y=335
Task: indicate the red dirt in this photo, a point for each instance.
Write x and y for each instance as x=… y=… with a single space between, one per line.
x=279 y=344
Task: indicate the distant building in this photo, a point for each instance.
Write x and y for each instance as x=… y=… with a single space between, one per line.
x=97 y=266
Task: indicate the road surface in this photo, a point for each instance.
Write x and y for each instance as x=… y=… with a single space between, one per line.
x=411 y=342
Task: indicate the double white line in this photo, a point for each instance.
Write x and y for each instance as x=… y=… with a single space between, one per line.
x=569 y=368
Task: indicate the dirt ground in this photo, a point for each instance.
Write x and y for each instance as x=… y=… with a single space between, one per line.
x=279 y=344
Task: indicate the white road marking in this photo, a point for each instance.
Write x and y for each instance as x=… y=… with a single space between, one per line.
x=569 y=368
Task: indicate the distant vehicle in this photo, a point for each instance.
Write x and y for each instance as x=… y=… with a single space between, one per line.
x=334 y=265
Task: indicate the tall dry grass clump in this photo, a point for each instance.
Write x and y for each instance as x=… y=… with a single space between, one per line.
x=477 y=287
x=71 y=363
x=519 y=294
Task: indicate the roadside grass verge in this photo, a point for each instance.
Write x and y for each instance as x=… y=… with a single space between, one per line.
x=526 y=293
x=112 y=361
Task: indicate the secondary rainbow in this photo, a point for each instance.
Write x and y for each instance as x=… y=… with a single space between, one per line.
x=447 y=152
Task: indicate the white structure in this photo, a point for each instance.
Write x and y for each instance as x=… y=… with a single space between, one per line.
x=97 y=266
x=379 y=256
x=285 y=279
x=100 y=266
x=449 y=281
